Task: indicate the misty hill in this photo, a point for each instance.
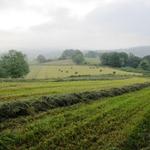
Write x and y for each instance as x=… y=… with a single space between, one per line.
x=140 y=51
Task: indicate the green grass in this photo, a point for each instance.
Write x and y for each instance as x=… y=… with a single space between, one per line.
x=47 y=71
x=24 y=90
x=103 y=124
x=92 y=61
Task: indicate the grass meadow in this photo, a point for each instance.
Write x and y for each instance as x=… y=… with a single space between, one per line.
x=48 y=71
x=11 y=91
x=64 y=110
x=120 y=123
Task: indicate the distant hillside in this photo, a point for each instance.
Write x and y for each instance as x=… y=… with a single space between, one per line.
x=139 y=51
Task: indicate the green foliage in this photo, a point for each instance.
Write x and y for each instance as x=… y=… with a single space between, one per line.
x=92 y=54
x=3 y=73
x=75 y=55
x=67 y=54
x=133 y=61
x=41 y=59
x=144 y=64
x=114 y=59
x=78 y=57
x=147 y=58
x=14 y=64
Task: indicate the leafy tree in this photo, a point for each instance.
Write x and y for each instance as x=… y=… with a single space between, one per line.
x=114 y=59
x=147 y=58
x=67 y=54
x=3 y=73
x=133 y=61
x=91 y=54
x=123 y=59
x=144 y=64
x=41 y=59
x=78 y=57
x=104 y=59
x=14 y=64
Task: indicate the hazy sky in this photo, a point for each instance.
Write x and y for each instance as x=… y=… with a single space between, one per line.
x=83 y=24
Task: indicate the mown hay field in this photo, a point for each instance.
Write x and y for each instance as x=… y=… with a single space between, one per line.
x=47 y=71
x=10 y=91
x=120 y=123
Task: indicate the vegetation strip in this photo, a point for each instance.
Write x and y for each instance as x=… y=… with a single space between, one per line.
x=15 y=109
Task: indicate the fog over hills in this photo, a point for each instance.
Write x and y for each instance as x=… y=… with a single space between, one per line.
x=56 y=53
x=140 y=51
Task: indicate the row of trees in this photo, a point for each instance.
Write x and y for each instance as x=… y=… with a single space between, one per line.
x=122 y=59
x=13 y=64
x=76 y=55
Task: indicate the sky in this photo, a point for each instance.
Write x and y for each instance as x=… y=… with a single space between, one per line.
x=78 y=24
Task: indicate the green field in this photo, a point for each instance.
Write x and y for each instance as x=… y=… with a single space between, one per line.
x=118 y=123
x=47 y=71
x=112 y=123
x=92 y=61
x=10 y=91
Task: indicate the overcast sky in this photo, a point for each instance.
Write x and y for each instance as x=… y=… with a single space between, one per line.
x=82 y=24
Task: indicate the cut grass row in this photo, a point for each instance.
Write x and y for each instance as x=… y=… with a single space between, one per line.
x=109 y=124
x=15 y=109
x=10 y=91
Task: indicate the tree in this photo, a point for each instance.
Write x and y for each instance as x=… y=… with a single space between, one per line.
x=104 y=59
x=91 y=54
x=123 y=58
x=41 y=59
x=67 y=54
x=147 y=58
x=144 y=64
x=114 y=59
x=78 y=57
x=133 y=61
x=3 y=73
x=14 y=64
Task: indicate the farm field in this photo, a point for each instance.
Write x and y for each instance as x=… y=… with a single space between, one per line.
x=120 y=123
x=92 y=61
x=47 y=71
x=10 y=91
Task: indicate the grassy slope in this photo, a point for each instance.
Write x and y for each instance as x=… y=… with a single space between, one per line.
x=107 y=124
x=20 y=90
x=53 y=71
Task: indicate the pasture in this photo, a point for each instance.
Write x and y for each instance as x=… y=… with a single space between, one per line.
x=50 y=111
x=120 y=123
x=49 y=71
x=10 y=91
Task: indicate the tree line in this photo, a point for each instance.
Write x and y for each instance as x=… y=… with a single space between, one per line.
x=122 y=59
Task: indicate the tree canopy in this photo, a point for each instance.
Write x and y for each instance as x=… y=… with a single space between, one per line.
x=41 y=59
x=114 y=59
x=13 y=64
x=78 y=57
x=67 y=54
